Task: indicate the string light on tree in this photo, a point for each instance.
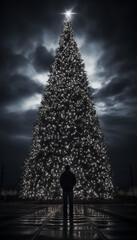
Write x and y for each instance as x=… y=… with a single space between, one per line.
x=67 y=131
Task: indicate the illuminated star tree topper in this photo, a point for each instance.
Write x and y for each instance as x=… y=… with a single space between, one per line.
x=68 y=14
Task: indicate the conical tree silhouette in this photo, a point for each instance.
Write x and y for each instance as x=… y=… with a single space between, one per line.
x=67 y=132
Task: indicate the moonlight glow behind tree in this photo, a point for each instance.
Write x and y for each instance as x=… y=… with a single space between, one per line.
x=67 y=131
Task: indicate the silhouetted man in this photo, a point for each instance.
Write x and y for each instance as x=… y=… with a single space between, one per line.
x=67 y=182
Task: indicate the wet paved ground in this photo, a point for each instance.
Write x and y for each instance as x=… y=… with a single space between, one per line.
x=28 y=221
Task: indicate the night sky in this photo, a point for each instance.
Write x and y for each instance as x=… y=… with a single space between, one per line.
x=106 y=34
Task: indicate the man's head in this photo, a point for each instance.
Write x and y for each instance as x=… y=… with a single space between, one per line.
x=67 y=167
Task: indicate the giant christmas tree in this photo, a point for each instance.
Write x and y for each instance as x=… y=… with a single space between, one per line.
x=67 y=131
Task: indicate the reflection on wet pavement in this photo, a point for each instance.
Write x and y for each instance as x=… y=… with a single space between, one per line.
x=46 y=222
x=111 y=227
x=68 y=228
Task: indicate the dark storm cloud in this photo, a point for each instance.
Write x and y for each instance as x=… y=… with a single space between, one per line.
x=16 y=87
x=113 y=24
x=25 y=22
x=23 y=127
x=42 y=59
x=10 y=62
x=119 y=59
x=116 y=126
x=120 y=88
